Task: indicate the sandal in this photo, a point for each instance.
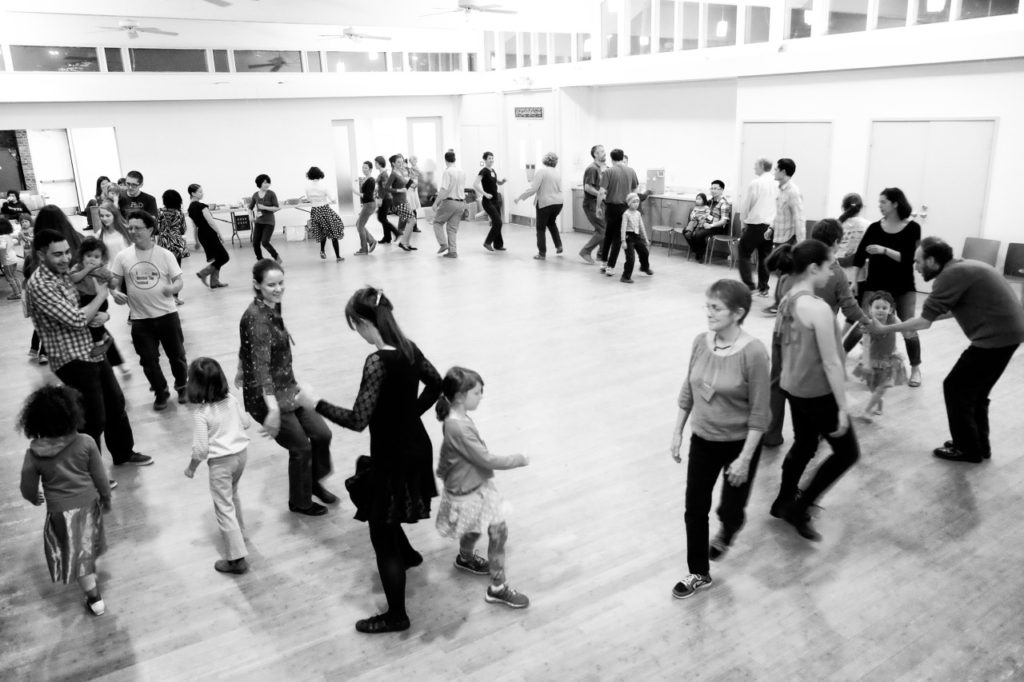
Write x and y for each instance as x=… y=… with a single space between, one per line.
x=375 y=625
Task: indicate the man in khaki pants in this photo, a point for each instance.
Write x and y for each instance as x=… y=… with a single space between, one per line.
x=448 y=206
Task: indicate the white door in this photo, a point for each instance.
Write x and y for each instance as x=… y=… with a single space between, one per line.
x=942 y=167
x=55 y=174
x=809 y=144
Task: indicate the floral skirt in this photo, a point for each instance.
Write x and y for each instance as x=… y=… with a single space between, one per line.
x=471 y=513
x=324 y=223
x=72 y=540
x=887 y=372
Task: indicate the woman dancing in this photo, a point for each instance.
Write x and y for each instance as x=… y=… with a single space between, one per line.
x=324 y=223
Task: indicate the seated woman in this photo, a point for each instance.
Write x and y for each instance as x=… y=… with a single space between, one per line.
x=699 y=216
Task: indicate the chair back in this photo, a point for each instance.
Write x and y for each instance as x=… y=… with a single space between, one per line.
x=1014 y=265
x=240 y=221
x=736 y=228
x=985 y=250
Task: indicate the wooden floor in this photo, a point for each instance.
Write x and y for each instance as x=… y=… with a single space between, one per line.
x=918 y=576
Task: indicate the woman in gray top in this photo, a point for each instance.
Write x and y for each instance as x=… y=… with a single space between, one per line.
x=726 y=393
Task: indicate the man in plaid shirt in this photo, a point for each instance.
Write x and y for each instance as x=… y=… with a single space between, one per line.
x=52 y=303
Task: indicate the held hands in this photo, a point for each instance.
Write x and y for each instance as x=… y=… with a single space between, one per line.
x=307 y=397
x=272 y=423
x=843 y=426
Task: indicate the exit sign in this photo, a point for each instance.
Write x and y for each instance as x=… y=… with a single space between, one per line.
x=529 y=112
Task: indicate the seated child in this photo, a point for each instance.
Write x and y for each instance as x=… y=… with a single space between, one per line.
x=880 y=365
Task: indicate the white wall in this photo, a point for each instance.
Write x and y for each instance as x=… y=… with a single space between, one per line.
x=224 y=145
x=853 y=99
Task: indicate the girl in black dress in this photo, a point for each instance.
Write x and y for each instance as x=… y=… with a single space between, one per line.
x=400 y=481
x=208 y=237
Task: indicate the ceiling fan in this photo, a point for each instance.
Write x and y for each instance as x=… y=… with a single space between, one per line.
x=132 y=28
x=468 y=8
x=351 y=34
x=273 y=65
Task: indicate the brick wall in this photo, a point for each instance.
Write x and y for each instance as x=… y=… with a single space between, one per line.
x=26 y=162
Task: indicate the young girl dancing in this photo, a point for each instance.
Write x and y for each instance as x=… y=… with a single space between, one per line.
x=75 y=487
x=90 y=268
x=218 y=436
x=880 y=365
x=470 y=501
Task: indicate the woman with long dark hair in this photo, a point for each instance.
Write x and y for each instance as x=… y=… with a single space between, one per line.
x=51 y=217
x=401 y=480
x=270 y=392
x=365 y=186
x=208 y=237
x=170 y=229
x=887 y=250
x=813 y=380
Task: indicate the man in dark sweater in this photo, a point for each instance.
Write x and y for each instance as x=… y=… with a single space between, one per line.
x=135 y=198
x=988 y=312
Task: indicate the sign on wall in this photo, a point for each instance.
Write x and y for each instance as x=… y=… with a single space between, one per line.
x=529 y=112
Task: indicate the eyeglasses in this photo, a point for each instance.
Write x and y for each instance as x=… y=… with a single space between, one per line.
x=132 y=184
x=712 y=308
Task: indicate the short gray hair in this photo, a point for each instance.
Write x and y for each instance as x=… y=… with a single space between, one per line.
x=550 y=159
x=764 y=164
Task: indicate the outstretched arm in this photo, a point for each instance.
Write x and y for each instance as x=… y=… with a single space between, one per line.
x=358 y=417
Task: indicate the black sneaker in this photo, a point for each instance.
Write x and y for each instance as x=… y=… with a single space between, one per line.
x=161 y=401
x=476 y=564
x=380 y=624
x=984 y=455
x=236 y=566
x=138 y=459
x=954 y=454
x=182 y=397
x=625 y=280
x=780 y=505
x=313 y=509
x=647 y=271
x=688 y=586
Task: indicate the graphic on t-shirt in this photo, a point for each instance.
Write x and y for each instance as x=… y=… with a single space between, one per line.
x=144 y=275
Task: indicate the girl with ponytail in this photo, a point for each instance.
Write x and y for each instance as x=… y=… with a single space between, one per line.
x=470 y=502
x=401 y=482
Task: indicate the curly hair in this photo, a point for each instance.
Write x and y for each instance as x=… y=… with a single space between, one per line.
x=51 y=411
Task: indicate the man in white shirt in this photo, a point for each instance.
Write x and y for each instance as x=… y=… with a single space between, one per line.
x=153 y=278
x=758 y=212
x=448 y=206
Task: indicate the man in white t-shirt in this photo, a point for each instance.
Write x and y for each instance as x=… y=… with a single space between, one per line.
x=153 y=278
x=448 y=207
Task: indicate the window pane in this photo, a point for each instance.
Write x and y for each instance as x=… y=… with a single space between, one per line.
x=584 y=47
x=758 y=21
x=798 y=18
x=540 y=48
x=562 y=48
x=972 y=9
x=509 y=41
x=33 y=58
x=472 y=62
x=932 y=11
x=272 y=61
x=435 y=61
x=490 y=56
x=691 y=25
x=524 y=38
x=313 y=59
x=853 y=17
x=115 y=62
x=639 y=26
x=146 y=59
x=721 y=25
x=610 y=28
x=419 y=61
x=666 y=25
x=398 y=61
x=220 y=61
x=892 y=13
x=355 y=61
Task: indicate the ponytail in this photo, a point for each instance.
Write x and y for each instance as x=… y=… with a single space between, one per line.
x=371 y=305
x=456 y=380
x=852 y=205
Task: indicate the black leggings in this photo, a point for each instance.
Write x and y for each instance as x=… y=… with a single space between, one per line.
x=334 y=243
x=261 y=237
x=814 y=419
x=394 y=555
